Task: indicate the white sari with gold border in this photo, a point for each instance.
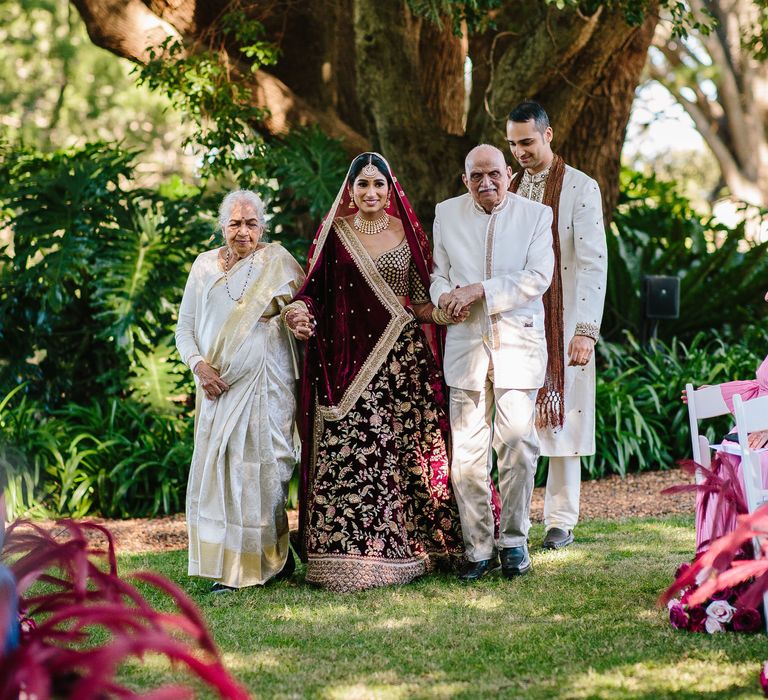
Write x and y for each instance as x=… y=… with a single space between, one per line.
x=244 y=453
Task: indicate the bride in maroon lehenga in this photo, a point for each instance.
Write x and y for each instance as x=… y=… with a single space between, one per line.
x=376 y=505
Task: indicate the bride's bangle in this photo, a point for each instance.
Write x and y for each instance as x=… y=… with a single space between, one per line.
x=440 y=317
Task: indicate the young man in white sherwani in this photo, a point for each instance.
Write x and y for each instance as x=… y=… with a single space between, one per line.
x=493 y=258
x=566 y=436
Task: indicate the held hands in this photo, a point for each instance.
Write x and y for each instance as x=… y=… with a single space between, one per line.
x=301 y=324
x=580 y=350
x=213 y=385
x=458 y=302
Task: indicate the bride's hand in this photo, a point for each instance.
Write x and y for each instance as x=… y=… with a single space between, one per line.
x=301 y=324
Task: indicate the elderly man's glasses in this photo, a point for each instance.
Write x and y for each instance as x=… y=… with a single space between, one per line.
x=250 y=224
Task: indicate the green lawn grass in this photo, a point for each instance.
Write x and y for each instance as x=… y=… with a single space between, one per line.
x=583 y=624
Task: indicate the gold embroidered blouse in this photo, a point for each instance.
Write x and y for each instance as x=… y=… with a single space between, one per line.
x=399 y=272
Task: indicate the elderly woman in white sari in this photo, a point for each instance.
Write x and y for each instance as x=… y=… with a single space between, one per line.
x=231 y=336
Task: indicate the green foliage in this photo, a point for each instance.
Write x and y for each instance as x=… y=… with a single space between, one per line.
x=113 y=458
x=306 y=170
x=91 y=281
x=477 y=15
x=57 y=89
x=641 y=422
x=757 y=41
x=655 y=232
x=212 y=92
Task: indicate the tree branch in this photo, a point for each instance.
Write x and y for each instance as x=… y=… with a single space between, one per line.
x=708 y=130
x=672 y=53
x=129 y=28
x=717 y=46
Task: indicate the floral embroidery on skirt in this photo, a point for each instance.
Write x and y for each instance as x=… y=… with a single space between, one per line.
x=381 y=504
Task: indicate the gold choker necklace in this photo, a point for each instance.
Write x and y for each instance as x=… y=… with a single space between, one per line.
x=371 y=228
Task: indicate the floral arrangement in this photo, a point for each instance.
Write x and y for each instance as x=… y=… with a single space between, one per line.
x=720 y=612
x=723 y=587
x=56 y=646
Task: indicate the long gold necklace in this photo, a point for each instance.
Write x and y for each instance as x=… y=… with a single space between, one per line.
x=371 y=227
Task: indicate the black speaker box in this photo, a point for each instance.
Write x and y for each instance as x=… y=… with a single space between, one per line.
x=662 y=296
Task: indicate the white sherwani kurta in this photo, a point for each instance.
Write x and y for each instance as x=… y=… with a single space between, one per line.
x=510 y=252
x=583 y=265
x=243 y=456
x=494 y=361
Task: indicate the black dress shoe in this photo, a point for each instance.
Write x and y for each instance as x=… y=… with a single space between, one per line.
x=515 y=561
x=221 y=588
x=557 y=538
x=477 y=569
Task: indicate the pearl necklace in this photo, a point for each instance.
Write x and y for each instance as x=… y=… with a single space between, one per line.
x=371 y=228
x=239 y=299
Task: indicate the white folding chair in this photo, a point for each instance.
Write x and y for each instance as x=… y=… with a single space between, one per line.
x=703 y=403
x=752 y=416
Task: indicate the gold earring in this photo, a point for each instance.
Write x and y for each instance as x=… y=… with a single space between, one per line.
x=351 y=204
x=386 y=206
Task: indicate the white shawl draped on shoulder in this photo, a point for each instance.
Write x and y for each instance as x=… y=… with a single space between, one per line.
x=244 y=453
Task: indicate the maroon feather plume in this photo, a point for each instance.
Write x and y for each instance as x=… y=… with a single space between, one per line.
x=62 y=656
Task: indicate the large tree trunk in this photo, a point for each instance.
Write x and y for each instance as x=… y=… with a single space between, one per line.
x=582 y=69
x=376 y=76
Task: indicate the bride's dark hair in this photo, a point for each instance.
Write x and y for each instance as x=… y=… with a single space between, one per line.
x=368 y=159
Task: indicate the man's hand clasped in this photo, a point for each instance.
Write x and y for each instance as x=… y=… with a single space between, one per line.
x=301 y=324
x=213 y=385
x=458 y=302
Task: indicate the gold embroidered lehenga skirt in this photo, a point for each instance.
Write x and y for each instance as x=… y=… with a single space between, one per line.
x=381 y=509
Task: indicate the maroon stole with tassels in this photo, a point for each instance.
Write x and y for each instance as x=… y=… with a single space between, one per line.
x=550 y=401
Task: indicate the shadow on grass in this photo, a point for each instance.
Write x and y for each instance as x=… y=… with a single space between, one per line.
x=584 y=624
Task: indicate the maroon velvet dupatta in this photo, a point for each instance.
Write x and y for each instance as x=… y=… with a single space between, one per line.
x=358 y=318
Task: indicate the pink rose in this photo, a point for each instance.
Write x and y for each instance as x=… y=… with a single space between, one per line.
x=713 y=626
x=747 y=620
x=720 y=610
x=678 y=617
x=764 y=679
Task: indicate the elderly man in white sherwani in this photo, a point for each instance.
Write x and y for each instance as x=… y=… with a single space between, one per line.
x=493 y=258
x=579 y=281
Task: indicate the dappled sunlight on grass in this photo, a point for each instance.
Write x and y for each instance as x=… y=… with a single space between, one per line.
x=391 y=623
x=253 y=660
x=583 y=624
x=372 y=690
x=650 y=680
x=376 y=691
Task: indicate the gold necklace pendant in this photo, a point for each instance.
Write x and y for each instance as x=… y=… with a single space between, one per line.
x=371 y=227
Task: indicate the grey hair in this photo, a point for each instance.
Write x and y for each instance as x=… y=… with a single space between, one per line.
x=225 y=209
x=477 y=148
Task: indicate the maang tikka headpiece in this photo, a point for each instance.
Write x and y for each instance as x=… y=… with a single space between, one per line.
x=369 y=170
